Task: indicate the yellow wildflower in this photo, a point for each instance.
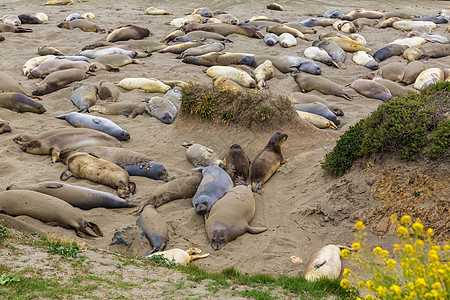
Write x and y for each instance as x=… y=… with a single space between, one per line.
x=391 y=263
x=377 y=250
x=370 y=285
x=369 y=297
x=427 y=295
x=346 y=272
x=436 y=285
x=406 y=220
x=381 y=291
x=356 y=245
x=394 y=219
x=397 y=247
x=345 y=283
x=384 y=254
x=421 y=285
x=360 y=225
x=432 y=254
x=408 y=249
x=402 y=231
x=418 y=227
x=396 y=290
x=436 y=248
x=345 y=253
x=410 y=286
x=446 y=247
x=361 y=284
x=418 y=244
x=430 y=232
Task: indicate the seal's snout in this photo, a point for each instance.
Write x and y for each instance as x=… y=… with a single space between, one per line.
x=9 y=187
x=201 y=208
x=167 y=118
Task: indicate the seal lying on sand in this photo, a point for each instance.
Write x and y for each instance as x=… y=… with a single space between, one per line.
x=154 y=227
x=308 y=83
x=237 y=164
x=77 y=196
x=128 y=32
x=87 y=166
x=161 y=108
x=4 y=126
x=325 y=262
x=58 y=80
x=229 y=217
x=48 y=209
x=180 y=256
x=20 y=103
x=130 y=110
x=199 y=155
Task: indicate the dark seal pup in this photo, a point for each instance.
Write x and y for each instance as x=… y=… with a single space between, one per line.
x=154 y=227
x=237 y=164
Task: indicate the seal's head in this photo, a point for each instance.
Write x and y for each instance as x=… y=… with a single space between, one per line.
x=218 y=236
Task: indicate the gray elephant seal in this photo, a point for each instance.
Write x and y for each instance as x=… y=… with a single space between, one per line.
x=48 y=209
x=81 y=24
x=396 y=89
x=86 y=166
x=302 y=98
x=4 y=127
x=267 y=162
x=58 y=80
x=199 y=155
x=84 y=95
x=229 y=217
x=77 y=196
x=371 y=89
x=96 y=123
x=318 y=109
x=388 y=51
x=308 y=83
x=412 y=71
x=20 y=103
x=237 y=164
x=215 y=184
x=128 y=32
x=130 y=110
x=49 y=66
x=154 y=227
x=161 y=108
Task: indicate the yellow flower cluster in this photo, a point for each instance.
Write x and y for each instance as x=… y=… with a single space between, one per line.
x=420 y=269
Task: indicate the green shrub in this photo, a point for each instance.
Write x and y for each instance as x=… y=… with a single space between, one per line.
x=61 y=247
x=403 y=126
x=3 y=230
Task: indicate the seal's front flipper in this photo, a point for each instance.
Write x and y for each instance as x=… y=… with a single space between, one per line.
x=66 y=175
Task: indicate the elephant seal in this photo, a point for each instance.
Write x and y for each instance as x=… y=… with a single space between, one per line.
x=4 y=126
x=334 y=14
x=409 y=25
x=2 y=38
x=176 y=93
x=410 y=42
x=58 y=80
x=302 y=98
x=9 y=84
x=112 y=62
x=97 y=123
x=362 y=13
x=107 y=51
x=287 y=40
x=203 y=49
x=393 y=71
x=227 y=19
x=50 y=66
x=14 y=223
x=308 y=83
x=215 y=59
x=55 y=141
x=179 y=48
x=303 y=29
x=204 y=12
x=275 y=6
x=224 y=83
x=180 y=256
x=325 y=262
x=33 y=63
x=335 y=51
x=214 y=185
x=255 y=60
x=29 y=19
x=15 y=29
x=360 y=23
x=199 y=155
x=171 y=36
x=319 y=54
x=281 y=28
x=436 y=51
x=59 y=2
x=130 y=110
x=346 y=43
x=77 y=196
x=200 y=35
x=156 y=11
x=161 y=108
x=345 y=26
x=238 y=76
x=264 y=72
x=316 y=120
x=237 y=164
x=434 y=19
x=108 y=91
x=73 y=16
x=428 y=77
x=318 y=109
x=419 y=31
x=223 y=29
x=179 y=188
x=18 y=102
x=229 y=217
x=303 y=64
x=81 y=24
x=12 y=20
x=86 y=166
x=49 y=50
x=84 y=95
x=396 y=89
x=42 y=16
x=144 y=84
x=154 y=227
x=136 y=164
x=388 y=51
x=267 y=162
x=362 y=58
x=270 y=39
x=48 y=209
x=371 y=89
x=413 y=53
x=411 y=71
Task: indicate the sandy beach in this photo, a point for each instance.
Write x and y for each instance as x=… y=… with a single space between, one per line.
x=301 y=205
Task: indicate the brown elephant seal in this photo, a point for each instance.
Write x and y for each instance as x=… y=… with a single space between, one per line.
x=436 y=51
x=77 y=196
x=392 y=71
x=267 y=162
x=234 y=74
x=14 y=223
x=81 y=24
x=9 y=84
x=50 y=66
x=281 y=28
x=55 y=141
x=84 y=95
x=325 y=262
x=200 y=35
x=136 y=164
x=203 y=11
x=300 y=27
x=412 y=71
x=346 y=43
x=419 y=31
x=131 y=110
x=180 y=256
x=275 y=6
x=29 y=19
x=229 y=218
x=179 y=48
x=58 y=80
x=18 y=102
x=15 y=29
x=302 y=98
x=400 y=14
x=223 y=29
x=86 y=166
x=49 y=50
x=108 y=91
x=112 y=62
x=179 y=188
x=361 y=22
x=224 y=83
x=227 y=19
x=413 y=53
x=4 y=126
x=237 y=164
x=48 y=209
x=264 y=72
x=215 y=59
x=202 y=49
x=371 y=89
x=396 y=89
x=362 y=13
x=154 y=227
x=309 y=83
x=156 y=11
x=199 y=155
x=128 y=32
x=171 y=36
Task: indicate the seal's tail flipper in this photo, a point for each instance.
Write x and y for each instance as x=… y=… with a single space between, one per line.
x=94 y=227
x=255 y=230
x=197 y=256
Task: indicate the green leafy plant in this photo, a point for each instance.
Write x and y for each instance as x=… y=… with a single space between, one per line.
x=5 y=279
x=64 y=248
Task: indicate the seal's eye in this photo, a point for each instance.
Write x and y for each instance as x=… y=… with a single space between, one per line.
x=213 y=241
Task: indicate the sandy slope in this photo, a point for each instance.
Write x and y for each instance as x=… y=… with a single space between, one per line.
x=296 y=200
